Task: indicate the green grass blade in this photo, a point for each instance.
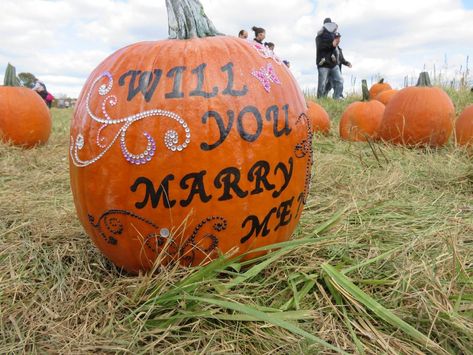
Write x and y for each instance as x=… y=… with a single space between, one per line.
x=188 y=284
x=255 y=270
x=265 y=317
x=370 y=261
x=157 y=322
x=339 y=301
x=343 y=282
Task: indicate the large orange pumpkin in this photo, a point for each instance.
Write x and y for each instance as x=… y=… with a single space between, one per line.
x=187 y=147
x=378 y=87
x=319 y=117
x=464 y=127
x=420 y=115
x=361 y=120
x=25 y=119
x=385 y=96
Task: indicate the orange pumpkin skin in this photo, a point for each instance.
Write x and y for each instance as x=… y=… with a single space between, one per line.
x=319 y=117
x=213 y=194
x=379 y=87
x=25 y=119
x=361 y=120
x=385 y=96
x=418 y=116
x=464 y=127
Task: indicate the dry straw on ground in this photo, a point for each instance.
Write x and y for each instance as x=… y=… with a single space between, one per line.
x=382 y=262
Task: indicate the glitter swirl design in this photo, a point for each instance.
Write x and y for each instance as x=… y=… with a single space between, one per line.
x=171 y=137
x=304 y=149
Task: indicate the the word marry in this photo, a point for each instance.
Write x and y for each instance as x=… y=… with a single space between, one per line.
x=229 y=182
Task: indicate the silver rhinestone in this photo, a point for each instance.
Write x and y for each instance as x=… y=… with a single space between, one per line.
x=164 y=232
x=80 y=141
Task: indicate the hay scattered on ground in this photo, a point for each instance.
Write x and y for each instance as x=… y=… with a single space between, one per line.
x=400 y=234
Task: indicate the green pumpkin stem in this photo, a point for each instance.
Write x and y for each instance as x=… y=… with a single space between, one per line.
x=381 y=81
x=187 y=19
x=424 y=79
x=10 y=78
x=365 y=90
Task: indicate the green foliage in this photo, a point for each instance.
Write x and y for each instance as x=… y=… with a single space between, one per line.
x=27 y=79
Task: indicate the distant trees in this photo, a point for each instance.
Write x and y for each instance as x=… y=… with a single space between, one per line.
x=27 y=79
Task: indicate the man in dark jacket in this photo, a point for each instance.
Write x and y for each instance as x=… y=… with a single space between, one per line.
x=325 y=45
x=335 y=80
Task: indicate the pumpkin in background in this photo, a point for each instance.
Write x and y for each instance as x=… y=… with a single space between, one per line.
x=385 y=96
x=420 y=115
x=361 y=120
x=378 y=87
x=185 y=148
x=319 y=117
x=464 y=127
x=25 y=119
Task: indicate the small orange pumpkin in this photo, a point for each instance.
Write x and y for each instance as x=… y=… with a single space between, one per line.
x=385 y=96
x=464 y=127
x=185 y=148
x=319 y=117
x=25 y=119
x=379 y=87
x=420 y=115
x=360 y=121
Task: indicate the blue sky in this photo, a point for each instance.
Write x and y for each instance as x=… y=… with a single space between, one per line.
x=468 y=4
x=62 y=41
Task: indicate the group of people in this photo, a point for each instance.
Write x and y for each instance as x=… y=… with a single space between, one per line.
x=329 y=57
x=330 y=60
x=260 y=35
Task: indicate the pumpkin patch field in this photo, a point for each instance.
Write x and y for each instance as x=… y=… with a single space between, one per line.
x=381 y=260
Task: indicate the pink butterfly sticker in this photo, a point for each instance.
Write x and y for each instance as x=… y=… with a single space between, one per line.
x=266 y=75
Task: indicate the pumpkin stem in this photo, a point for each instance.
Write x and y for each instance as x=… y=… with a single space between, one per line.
x=10 y=78
x=424 y=79
x=187 y=19
x=365 y=90
x=381 y=81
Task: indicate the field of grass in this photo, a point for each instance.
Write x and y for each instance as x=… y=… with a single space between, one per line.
x=382 y=262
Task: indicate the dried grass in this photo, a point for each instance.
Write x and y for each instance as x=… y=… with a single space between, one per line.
x=403 y=235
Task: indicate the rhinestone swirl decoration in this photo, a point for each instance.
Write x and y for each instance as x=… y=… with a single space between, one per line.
x=303 y=149
x=171 y=137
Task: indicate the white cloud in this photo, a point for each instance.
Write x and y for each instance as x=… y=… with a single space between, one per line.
x=62 y=41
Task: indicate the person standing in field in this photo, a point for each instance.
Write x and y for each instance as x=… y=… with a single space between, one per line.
x=335 y=79
x=325 y=44
x=270 y=46
x=260 y=34
x=40 y=88
x=243 y=34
